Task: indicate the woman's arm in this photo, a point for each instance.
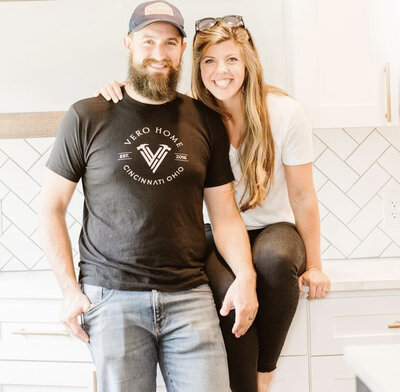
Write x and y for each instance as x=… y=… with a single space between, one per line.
x=304 y=203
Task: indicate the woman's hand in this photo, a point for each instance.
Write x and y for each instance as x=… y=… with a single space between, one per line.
x=319 y=283
x=111 y=91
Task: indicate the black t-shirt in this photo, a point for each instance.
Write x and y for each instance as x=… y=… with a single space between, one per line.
x=143 y=170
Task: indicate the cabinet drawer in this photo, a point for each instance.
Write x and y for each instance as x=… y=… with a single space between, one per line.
x=40 y=376
x=296 y=341
x=291 y=375
x=336 y=322
x=331 y=374
x=40 y=342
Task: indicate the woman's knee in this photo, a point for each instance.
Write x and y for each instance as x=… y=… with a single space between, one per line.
x=278 y=251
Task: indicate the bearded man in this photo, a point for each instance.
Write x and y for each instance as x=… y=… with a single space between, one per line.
x=145 y=165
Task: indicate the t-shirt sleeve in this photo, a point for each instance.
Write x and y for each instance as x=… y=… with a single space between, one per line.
x=67 y=156
x=297 y=148
x=219 y=170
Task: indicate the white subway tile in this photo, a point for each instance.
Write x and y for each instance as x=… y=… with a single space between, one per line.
x=339 y=235
x=19 y=214
x=3 y=158
x=367 y=153
x=359 y=134
x=368 y=185
x=75 y=207
x=331 y=253
x=22 y=247
x=319 y=178
x=323 y=211
x=390 y=161
x=318 y=147
x=41 y=144
x=74 y=232
x=337 y=140
x=5 y=256
x=337 y=202
x=20 y=182
x=336 y=170
x=391 y=185
x=368 y=218
x=372 y=246
x=324 y=244
x=3 y=190
x=20 y=152
x=392 y=232
x=37 y=170
x=392 y=135
x=14 y=265
x=391 y=251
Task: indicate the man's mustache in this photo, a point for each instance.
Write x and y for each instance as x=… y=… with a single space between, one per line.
x=164 y=62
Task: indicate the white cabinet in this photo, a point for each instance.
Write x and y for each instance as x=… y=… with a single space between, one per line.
x=36 y=353
x=342 y=60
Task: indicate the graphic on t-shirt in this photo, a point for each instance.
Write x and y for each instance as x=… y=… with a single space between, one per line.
x=154 y=160
x=160 y=149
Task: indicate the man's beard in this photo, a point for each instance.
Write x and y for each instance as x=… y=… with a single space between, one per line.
x=155 y=86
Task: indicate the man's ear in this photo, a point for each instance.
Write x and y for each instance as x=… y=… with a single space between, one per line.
x=184 y=43
x=128 y=43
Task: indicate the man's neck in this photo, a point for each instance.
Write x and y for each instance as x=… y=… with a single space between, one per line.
x=138 y=97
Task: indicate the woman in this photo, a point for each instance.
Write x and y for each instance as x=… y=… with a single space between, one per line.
x=271 y=157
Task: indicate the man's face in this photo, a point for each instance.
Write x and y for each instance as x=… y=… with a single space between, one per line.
x=155 y=57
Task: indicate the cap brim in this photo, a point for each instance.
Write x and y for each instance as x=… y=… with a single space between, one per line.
x=144 y=24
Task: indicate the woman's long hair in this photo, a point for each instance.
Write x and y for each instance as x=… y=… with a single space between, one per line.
x=256 y=151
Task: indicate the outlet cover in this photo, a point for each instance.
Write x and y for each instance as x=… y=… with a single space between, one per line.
x=391 y=209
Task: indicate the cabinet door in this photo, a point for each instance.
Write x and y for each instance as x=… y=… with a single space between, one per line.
x=343 y=61
x=336 y=322
x=291 y=375
x=296 y=340
x=331 y=374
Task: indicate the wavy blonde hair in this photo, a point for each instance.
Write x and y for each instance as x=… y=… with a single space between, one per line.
x=256 y=151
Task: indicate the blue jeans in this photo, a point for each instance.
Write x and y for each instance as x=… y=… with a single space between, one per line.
x=131 y=331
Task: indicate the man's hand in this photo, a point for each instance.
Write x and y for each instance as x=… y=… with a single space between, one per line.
x=73 y=305
x=242 y=297
x=318 y=282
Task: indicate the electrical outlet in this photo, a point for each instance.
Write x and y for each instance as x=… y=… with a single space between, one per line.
x=391 y=209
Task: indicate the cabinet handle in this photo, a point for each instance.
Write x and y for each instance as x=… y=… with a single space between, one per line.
x=388 y=113
x=94 y=381
x=395 y=324
x=41 y=333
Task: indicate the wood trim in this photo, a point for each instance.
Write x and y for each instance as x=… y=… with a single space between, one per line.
x=29 y=125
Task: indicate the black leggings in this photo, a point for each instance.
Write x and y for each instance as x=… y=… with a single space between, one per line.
x=279 y=259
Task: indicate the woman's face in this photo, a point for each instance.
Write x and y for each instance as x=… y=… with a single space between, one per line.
x=223 y=70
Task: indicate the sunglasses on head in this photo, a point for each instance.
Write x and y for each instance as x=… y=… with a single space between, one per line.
x=230 y=20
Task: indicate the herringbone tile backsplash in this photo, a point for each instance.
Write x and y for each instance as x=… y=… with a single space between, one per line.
x=352 y=168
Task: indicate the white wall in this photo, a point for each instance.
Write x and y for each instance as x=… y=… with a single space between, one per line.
x=55 y=52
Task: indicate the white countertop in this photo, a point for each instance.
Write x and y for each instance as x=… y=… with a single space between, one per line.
x=377 y=366
x=363 y=274
x=346 y=275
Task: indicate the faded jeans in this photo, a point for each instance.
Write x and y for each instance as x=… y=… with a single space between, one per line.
x=131 y=331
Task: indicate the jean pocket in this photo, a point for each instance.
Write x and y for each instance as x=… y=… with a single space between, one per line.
x=97 y=295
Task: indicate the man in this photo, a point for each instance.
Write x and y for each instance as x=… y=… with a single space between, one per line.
x=145 y=165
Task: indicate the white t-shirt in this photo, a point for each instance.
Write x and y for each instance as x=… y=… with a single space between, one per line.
x=292 y=135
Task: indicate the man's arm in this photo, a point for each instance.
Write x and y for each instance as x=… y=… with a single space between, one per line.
x=55 y=196
x=232 y=242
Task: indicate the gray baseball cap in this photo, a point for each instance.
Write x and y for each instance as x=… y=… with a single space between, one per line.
x=156 y=11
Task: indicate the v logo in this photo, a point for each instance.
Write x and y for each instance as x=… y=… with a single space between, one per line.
x=154 y=160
